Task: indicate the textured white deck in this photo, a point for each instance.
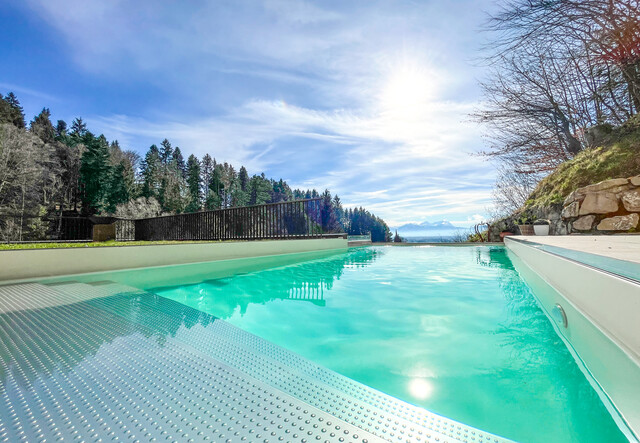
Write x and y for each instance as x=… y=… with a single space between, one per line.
x=106 y=361
x=620 y=247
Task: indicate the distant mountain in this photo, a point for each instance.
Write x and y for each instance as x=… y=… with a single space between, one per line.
x=425 y=226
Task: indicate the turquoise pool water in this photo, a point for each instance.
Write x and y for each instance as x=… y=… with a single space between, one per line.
x=452 y=329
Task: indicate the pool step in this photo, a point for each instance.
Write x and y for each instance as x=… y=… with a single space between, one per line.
x=36 y=296
x=360 y=405
x=76 y=372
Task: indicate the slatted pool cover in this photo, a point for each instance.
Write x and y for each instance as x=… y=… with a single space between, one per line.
x=107 y=362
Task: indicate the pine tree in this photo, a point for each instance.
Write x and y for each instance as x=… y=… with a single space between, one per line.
x=280 y=191
x=339 y=211
x=78 y=127
x=174 y=194
x=360 y=221
x=61 y=129
x=6 y=113
x=216 y=188
x=68 y=160
x=71 y=164
x=17 y=113
x=129 y=161
x=206 y=168
x=194 y=183
x=259 y=190
x=166 y=151
x=243 y=178
x=117 y=192
x=240 y=189
x=150 y=171
x=327 y=214
x=179 y=161
x=42 y=127
x=95 y=174
x=230 y=181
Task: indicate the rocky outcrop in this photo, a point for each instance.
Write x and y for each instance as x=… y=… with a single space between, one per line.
x=619 y=223
x=584 y=223
x=631 y=201
x=571 y=210
x=609 y=206
x=605 y=185
x=553 y=213
x=598 y=203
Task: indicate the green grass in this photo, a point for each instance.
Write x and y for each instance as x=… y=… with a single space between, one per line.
x=619 y=156
x=111 y=243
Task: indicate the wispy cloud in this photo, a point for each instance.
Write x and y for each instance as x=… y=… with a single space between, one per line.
x=368 y=98
x=18 y=89
x=424 y=171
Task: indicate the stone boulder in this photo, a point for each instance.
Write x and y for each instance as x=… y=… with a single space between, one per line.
x=572 y=210
x=599 y=203
x=631 y=200
x=584 y=223
x=575 y=196
x=611 y=205
x=619 y=223
x=604 y=186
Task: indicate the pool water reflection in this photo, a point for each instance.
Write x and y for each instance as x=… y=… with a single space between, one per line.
x=452 y=329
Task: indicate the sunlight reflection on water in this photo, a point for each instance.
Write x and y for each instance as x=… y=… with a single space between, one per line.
x=453 y=329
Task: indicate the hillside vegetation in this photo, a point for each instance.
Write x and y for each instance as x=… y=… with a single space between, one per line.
x=617 y=155
x=48 y=172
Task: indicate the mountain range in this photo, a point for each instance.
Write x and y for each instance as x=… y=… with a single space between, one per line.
x=426 y=226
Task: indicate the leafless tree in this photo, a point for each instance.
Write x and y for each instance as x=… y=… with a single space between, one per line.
x=557 y=69
x=26 y=185
x=533 y=118
x=512 y=190
x=605 y=32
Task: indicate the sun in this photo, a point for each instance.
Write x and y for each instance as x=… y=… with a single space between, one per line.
x=407 y=89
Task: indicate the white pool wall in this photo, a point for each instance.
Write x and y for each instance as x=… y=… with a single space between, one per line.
x=603 y=313
x=30 y=264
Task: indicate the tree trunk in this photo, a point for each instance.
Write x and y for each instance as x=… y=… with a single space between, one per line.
x=631 y=74
x=573 y=144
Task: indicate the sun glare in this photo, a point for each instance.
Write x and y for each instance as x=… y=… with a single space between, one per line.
x=420 y=388
x=406 y=103
x=406 y=89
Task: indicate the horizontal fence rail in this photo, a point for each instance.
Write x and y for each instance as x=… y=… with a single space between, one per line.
x=290 y=219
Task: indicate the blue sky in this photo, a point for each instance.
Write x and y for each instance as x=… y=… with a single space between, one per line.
x=368 y=98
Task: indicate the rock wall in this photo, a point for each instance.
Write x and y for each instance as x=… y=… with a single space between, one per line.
x=605 y=207
x=553 y=213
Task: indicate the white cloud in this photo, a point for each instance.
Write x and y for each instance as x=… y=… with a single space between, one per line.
x=371 y=107
x=419 y=171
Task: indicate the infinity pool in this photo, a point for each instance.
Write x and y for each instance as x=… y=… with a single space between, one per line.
x=452 y=329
